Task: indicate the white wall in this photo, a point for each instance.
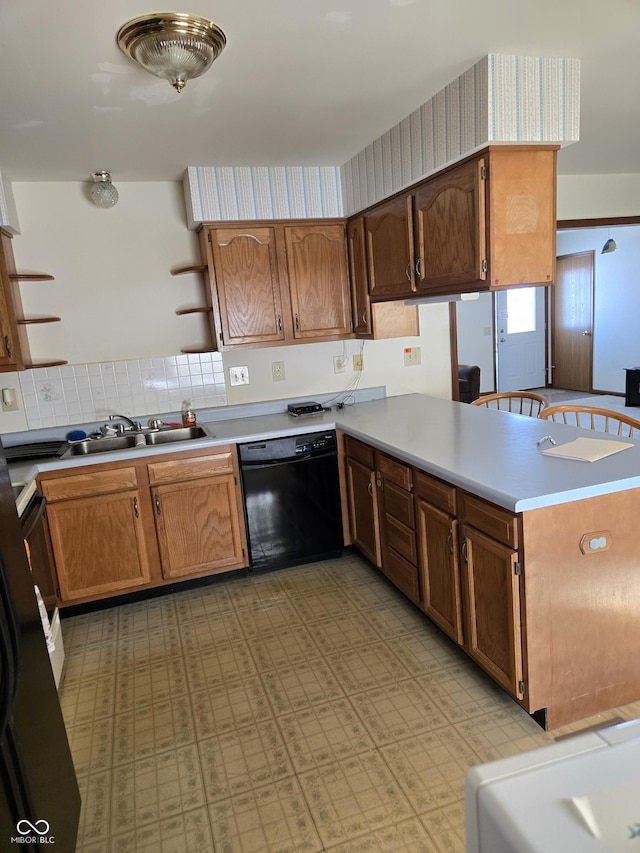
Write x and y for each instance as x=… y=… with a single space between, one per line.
x=616 y=308
x=598 y=196
x=117 y=299
x=475 y=337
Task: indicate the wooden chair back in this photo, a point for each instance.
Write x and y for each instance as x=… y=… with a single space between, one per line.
x=593 y=417
x=521 y=402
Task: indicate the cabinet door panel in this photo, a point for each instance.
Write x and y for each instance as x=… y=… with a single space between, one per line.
x=98 y=544
x=440 y=572
x=359 y=283
x=319 y=280
x=492 y=603
x=198 y=527
x=450 y=225
x=389 y=232
x=363 y=510
x=247 y=284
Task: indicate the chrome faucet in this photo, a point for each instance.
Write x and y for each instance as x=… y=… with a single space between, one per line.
x=133 y=425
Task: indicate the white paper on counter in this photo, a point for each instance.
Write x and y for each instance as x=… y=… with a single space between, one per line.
x=587 y=449
x=613 y=816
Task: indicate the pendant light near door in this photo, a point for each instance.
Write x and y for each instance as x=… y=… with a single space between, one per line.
x=173 y=45
x=609 y=246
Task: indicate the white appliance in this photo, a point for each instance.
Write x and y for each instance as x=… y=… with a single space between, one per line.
x=578 y=794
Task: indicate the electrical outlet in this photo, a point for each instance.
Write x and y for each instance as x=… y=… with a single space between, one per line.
x=9 y=400
x=239 y=375
x=411 y=356
x=277 y=371
x=358 y=362
x=339 y=364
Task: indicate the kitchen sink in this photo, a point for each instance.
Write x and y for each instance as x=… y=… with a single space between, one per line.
x=123 y=442
x=167 y=436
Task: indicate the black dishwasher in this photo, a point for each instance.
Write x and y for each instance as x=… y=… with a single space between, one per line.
x=292 y=499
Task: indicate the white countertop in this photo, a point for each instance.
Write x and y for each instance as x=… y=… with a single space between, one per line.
x=490 y=453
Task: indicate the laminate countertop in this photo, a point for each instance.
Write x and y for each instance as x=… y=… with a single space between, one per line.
x=489 y=453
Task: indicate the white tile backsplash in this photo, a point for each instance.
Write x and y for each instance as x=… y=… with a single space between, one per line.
x=78 y=393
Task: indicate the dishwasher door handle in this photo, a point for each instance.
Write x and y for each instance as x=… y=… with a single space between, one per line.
x=290 y=460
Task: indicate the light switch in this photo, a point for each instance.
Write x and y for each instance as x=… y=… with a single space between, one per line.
x=239 y=375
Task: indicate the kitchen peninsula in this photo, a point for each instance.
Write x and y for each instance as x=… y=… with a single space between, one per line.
x=537 y=555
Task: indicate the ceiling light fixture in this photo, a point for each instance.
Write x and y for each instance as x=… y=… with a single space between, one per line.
x=173 y=45
x=102 y=192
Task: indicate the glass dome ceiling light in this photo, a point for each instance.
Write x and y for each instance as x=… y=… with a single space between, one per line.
x=102 y=192
x=173 y=45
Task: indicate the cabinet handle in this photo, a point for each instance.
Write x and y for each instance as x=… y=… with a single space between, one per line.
x=279 y=324
x=450 y=541
x=136 y=512
x=408 y=271
x=364 y=319
x=370 y=488
x=463 y=551
x=418 y=266
x=297 y=323
x=7 y=346
x=157 y=504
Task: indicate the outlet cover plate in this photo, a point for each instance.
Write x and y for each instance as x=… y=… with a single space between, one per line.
x=358 y=362
x=277 y=371
x=411 y=356
x=339 y=364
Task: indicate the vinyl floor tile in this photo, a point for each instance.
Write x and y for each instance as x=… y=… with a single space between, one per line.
x=91 y=745
x=397 y=711
x=205 y=631
x=409 y=836
x=366 y=667
x=230 y=705
x=214 y=666
x=189 y=832
x=146 y=683
x=86 y=699
x=285 y=647
x=235 y=762
x=300 y=686
x=324 y=734
x=269 y=818
x=154 y=728
x=353 y=797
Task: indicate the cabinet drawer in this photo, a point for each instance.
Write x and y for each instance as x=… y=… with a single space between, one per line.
x=492 y=520
x=394 y=471
x=193 y=468
x=435 y=492
x=359 y=451
x=402 y=540
x=398 y=504
x=402 y=574
x=89 y=483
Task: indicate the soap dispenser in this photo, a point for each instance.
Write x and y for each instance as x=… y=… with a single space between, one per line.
x=188 y=414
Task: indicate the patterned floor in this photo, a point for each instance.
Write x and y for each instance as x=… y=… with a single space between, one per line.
x=303 y=710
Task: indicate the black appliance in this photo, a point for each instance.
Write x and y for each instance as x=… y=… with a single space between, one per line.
x=39 y=796
x=292 y=499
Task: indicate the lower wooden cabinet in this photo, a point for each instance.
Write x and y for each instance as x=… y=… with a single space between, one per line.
x=117 y=527
x=97 y=534
x=454 y=555
x=437 y=531
x=198 y=512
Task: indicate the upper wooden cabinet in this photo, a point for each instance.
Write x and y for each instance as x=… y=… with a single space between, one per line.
x=390 y=249
x=381 y=319
x=276 y=283
x=486 y=223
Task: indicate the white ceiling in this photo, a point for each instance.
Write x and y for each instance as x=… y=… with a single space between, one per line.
x=301 y=82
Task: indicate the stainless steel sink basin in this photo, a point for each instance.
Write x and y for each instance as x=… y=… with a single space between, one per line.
x=123 y=442
x=167 y=436
x=101 y=445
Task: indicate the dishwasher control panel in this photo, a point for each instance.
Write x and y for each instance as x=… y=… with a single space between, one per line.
x=313 y=443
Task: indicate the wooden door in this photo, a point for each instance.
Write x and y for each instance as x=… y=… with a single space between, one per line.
x=318 y=280
x=359 y=282
x=572 y=323
x=99 y=545
x=390 y=252
x=247 y=284
x=493 y=633
x=451 y=230
x=439 y=570
x=363 y=510
x=198 y=527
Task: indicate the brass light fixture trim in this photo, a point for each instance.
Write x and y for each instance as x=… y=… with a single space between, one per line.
x=176 y=46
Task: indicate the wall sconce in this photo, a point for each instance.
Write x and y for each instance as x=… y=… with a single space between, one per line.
x=102 y=192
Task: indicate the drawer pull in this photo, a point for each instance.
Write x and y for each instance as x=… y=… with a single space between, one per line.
x=463 y=551
x=136 y=511
x=157 y=501
x=7 y=346
x=370 y=488
x=450 y=541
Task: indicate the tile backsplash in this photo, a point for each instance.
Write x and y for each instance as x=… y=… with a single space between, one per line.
x=83 y=393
